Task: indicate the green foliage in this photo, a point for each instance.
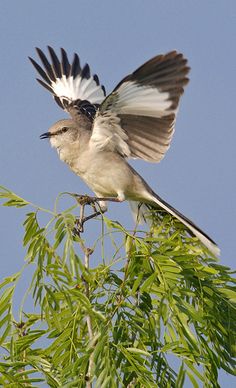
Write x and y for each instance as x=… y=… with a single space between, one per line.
x=156 y=311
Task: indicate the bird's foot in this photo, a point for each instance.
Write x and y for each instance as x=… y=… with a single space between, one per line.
x=79 y=222
x=84 y=200
x=88 y=200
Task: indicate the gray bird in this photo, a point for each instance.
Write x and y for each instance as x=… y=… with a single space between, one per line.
x=136 y=120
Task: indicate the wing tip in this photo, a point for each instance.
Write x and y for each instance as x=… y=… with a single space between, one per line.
x=85 y=73
x=55 y=71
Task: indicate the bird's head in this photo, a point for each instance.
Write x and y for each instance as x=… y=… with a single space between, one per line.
x=62 y=133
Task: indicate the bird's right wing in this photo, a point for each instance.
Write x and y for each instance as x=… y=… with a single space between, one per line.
x=73 y=88
x=137 y=119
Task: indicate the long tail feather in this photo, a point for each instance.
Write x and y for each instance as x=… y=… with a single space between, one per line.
x=139 y=212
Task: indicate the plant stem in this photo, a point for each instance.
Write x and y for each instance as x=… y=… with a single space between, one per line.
x=86 y=264
x=89 y=321
x=87 y=253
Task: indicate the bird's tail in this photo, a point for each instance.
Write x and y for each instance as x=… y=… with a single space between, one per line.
x=140 y=212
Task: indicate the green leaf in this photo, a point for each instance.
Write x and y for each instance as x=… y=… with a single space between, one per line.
x=148 y=283
x=138 y=351
x=231 y=294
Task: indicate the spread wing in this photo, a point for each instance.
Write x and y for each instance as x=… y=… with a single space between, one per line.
x=138 y=118
x=73 y=88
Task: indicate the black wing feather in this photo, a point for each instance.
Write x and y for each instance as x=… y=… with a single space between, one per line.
x=65 y=65
x=85 y=71
x=45 y=85
x=40 y=70
x=46 y=64
x=75 y=68
x=56 y=66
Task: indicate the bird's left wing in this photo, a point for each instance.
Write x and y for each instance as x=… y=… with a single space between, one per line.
x=137 y=119
x=73 y=88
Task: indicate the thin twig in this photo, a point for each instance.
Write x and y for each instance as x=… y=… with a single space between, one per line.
x=86 y=264
x=87 y=253
x=88 y=320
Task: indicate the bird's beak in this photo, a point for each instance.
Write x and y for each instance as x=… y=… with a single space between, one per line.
x=45 y=135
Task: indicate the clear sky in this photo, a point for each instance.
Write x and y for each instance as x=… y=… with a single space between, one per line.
x=198 y=174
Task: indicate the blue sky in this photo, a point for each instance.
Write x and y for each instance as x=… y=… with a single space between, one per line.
x=198 y=174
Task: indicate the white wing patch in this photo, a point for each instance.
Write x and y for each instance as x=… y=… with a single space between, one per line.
x=78 y=88
x=136 y=99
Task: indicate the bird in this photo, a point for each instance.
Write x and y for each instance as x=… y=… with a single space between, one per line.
x=135 y=121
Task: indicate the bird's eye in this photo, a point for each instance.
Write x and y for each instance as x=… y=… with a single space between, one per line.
x=64 y=129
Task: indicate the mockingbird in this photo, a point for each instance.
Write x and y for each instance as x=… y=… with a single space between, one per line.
x=136 y=120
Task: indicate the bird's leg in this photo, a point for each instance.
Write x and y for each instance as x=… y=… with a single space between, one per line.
x=84 y=200
x=88 y=200
x=102 y=205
